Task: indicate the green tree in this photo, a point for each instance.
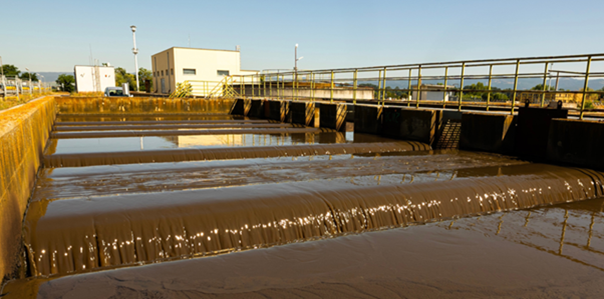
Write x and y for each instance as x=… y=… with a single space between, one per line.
x=10 y=70
x=145 y=74
x=66 y=82
x=121 y=77
x=498 y=96
x=540 y=87
x=25 y=76
x=476 y=89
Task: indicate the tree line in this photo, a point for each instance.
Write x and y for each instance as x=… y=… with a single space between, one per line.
x=67 y=82
x=474 y=91
x=10 y=70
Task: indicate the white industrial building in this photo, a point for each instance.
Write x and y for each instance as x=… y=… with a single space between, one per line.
x=93 y=78
x=433 y=92
x=203 y=68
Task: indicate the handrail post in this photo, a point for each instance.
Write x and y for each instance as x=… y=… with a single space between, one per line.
x=489 y=86
x=419 y=86
x=463 y=70
x=544 y=84
x=445 y=87
x=384 y=87
x=409 y=91
x=312 y=89
x=354 y=87
x=331 y=96
x=253 y=85
x=379 y=88
x=297 y=86
x=515 y=85
x=585 y=85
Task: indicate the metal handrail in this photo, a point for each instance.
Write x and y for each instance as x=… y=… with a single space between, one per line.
x=304 y=85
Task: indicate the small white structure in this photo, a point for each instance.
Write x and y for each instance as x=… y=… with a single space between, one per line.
x=203 y=68
x=93 y=78
x=432 y=92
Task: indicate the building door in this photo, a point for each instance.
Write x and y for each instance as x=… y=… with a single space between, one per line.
x=163 y=85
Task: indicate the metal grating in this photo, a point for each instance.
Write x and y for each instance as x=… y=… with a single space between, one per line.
x=449 y=138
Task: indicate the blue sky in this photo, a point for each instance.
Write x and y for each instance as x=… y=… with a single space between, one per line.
x=56 y=35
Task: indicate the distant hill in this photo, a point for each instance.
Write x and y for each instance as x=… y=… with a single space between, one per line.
x=52 y=76
x=565 y=83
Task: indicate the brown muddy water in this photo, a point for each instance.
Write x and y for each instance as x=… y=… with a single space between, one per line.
x=314 y=215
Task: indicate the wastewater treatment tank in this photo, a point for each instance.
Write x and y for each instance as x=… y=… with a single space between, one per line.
x=181 y=198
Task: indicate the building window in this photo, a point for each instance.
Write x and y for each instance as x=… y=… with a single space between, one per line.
x=172 y=71
x=188 y=71
x=222 y=73
x=162 y=73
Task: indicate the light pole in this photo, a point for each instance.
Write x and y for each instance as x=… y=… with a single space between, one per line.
x=296 y=69
x=31 y=91
x=551 y=66
x=135 y=51
x=296 y=60
x=2 y=78
x=40 y=83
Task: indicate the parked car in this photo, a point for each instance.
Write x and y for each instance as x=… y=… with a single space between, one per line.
x=116 y=92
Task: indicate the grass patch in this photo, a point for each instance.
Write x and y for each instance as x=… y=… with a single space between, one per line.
x=9 y=102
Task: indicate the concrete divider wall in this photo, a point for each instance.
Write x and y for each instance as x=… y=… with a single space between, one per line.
x=277 y=110
x=367 y=119
x=238 y=107
x=274 y=110
x=24 y=131
x=302 y=113
x=411 y=124
x=487 y=132
x=333 y=116
x=142 y=105
x=257 y=109
x=532 y=131
x=576 y=142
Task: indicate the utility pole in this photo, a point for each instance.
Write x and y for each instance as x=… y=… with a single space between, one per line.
x=2 y=81
x=135 y=51
x=31 y=91
x=295 y=83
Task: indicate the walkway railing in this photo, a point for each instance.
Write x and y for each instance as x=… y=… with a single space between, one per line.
x=509 y=82
x=214 y=89
x=14 y=86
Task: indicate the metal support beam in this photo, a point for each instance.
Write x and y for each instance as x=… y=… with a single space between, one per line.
x=463 y=70
x=419 y=86
x=489 y=86
x=445 y=87
x=515 y=86
x=585 y=86
x=544 y=85
x=354 y=87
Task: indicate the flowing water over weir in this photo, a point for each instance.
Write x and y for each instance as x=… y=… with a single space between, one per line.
x=138 y=189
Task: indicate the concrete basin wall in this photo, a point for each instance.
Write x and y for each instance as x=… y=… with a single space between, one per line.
x=576 y=142
x=487 y=132
x=142 y=105
x=411 y=124
x=24 y=131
